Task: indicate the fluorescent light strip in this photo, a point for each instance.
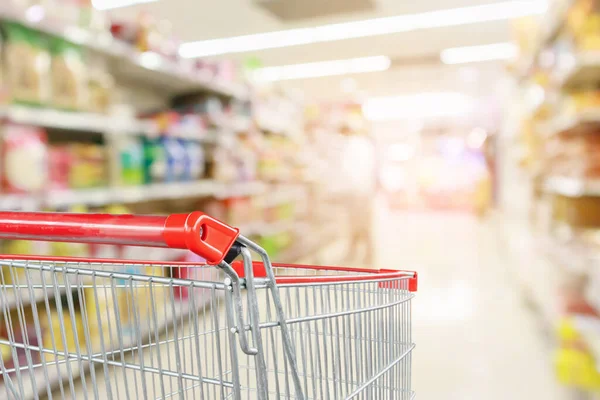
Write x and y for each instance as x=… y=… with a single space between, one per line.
x=488 y=52
x=365 y=28
x=323 y=68
x=112 y=4
x=418 y=106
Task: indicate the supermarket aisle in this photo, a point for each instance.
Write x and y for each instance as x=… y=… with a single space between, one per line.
x=475 y=339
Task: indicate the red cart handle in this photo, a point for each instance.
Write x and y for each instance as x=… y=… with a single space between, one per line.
x=198 y=232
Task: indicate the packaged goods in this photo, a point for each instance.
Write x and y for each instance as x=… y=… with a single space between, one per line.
x=88 y=166
x=59 y=167
x=580 y=211
x=68 y=73
x=26 y=64
x=100 y=88
x=155 y=161
x=25 y=159
x=71 y=328
x=131 y=151
x=195 y=161
x=21 y=333
x=175 y=159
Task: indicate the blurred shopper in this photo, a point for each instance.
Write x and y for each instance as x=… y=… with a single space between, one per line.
x=359 y=169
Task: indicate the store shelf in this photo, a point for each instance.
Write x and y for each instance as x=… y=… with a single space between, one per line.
x=589 y=329
x=57 y=375
x=580 y=122
x=583 y=70
x=75 y=121
x=572 y=187
x=105 y=196
x=22 y=297
x=152 y=69
x=308 y=246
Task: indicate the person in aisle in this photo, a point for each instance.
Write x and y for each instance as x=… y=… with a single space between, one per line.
x=358 y=163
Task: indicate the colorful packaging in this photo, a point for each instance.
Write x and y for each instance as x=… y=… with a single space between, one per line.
x=26 y=64
x=25 y=154
x=89 y=168
x=194 y=160
x=155 y=161
x=72 y=328
x=175 y=159
x=59 y=167
x=100 y=89
x=131 y=152
x=69 y=80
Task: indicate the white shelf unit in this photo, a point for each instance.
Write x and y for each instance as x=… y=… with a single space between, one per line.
x=578 y=122
x=572 y=187
x=583 y=69
x=151 y=68
x=158 y=191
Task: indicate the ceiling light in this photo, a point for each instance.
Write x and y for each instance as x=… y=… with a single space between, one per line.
x=111 y=4
x=322 y=68
x=418 y=106
x=488 y=52
x=364 y=28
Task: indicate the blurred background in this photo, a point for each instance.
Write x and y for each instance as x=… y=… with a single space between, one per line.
x=455 y=138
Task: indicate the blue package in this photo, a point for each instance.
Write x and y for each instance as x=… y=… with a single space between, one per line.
x=175 y=159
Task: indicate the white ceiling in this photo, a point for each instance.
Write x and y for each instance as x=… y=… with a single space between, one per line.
x=197 y=20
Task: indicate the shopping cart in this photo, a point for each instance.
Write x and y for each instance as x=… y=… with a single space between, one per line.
x=118 y=329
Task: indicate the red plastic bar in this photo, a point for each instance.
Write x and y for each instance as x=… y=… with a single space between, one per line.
x=205 y=236
x=362 y=274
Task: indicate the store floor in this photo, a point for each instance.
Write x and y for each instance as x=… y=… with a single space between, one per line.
x=475 y=337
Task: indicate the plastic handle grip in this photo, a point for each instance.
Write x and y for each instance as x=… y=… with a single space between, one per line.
x=198 y=232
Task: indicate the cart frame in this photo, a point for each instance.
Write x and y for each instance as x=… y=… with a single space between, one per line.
x=360 y=307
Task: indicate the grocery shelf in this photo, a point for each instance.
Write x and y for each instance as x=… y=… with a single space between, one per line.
x=76 y=121
x=589 y=329
x=578 y=122
x=584 y=69
x=134 y=194
x=156 y=191
x=572 y=187
x=12 y=298
x=308 y=246
x=151 y=68
x=551 y=26
x=57 y=375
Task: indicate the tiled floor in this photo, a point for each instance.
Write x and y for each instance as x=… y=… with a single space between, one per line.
x=475 y=337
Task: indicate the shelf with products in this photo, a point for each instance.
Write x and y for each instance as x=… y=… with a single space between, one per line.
x=572 y=187
x=584 y=121
x=157 y=191
x=150 y=67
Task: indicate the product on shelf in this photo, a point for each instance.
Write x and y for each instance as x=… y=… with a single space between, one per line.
x=581 y=212
x=25 y=159
x=212 y=109
x=573 y=155
x=582 y=24
x=574 y=364
x=155 y=161
x=69 y=76
x=20 y=332
x=100 y=87
x=195 y=160
x=59 y=167
x=175 y=159
x=71 y=328
x=26 y=64
x=88 y=168
x=131 y=151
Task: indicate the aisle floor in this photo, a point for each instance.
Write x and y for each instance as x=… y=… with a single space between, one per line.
x=475 y=337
